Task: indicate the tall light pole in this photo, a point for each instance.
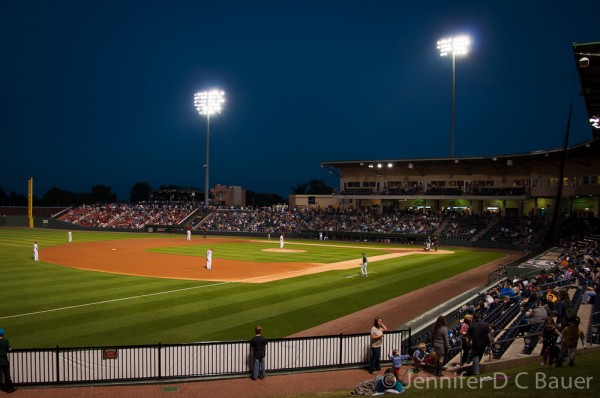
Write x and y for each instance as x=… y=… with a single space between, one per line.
x=457 y=45
x=208 y=103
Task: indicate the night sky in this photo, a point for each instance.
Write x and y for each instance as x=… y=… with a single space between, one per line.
x=101 y=92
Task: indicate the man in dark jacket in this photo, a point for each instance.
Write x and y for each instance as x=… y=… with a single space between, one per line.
x=479 y=333
x=259 y=345
x=4 y=364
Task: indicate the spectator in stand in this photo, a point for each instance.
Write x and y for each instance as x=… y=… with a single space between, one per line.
x=419 y=357
x=507 y=291
x=480 y=333
x=564 y=309
x=568 y=339
x=549 y=337
x=589 y=293
x=396 y=359
x=536 y=315
x=464 y=339
x=440 y=342
x=541 y=278
x=5 y=364
x=259 y=346
x=526 y=293
x=376 y=343
x=388 y=384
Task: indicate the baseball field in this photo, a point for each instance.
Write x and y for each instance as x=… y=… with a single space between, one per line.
x=108 y=288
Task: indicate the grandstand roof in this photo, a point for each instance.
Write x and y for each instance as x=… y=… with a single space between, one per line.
x=587 y=62
x=589 y=74
x=581 y=152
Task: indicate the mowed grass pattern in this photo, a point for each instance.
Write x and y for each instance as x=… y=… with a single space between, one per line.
x=44 y=305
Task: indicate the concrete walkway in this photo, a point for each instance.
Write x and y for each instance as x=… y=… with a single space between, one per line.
x=271 y=386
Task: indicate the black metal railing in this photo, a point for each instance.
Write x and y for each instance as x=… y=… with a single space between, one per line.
x=201 y=360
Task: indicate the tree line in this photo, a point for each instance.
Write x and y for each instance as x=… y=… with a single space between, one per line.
x=140 y=192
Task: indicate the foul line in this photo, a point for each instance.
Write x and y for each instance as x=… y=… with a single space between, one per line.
x=111 y=301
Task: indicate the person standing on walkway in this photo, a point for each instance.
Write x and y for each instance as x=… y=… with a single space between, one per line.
x=5 y=364
x=376 y=343
x=440 y=342
x=568 y=342
x=259 y=346
x=396 y=359
x=36 y=251
x=479 y=332
x=363 y=266
x=549 y=337
x=464 y=339
x=209 y=254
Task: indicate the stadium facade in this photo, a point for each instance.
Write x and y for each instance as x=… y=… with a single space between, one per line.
x=511 y=185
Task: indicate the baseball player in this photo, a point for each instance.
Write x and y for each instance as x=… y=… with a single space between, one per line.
x=209 y=254
x=36 y=254
x=281 y=241
x=363 y=267
x=189 y=234
x=70 y=236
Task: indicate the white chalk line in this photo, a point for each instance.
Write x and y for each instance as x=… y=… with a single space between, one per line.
x=111 y=301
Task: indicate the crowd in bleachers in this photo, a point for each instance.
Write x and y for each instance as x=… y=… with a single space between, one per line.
x=542 y=305
x=126 y=215
x=447 y=225
x=463 y=225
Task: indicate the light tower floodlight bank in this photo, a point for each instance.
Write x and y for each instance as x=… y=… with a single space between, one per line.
x=457 y=45
x=208 y=103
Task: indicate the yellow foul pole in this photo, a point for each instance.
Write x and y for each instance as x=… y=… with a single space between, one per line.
x=30 y=201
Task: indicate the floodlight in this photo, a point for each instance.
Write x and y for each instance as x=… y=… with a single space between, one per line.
x=208 y=103
x=457 y=45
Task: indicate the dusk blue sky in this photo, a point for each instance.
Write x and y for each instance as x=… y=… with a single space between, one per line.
x=101 y=92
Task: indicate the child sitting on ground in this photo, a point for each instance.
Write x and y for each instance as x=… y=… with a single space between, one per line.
x=419 y=357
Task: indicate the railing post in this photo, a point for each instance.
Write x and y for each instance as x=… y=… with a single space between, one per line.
x=159 y=361
x=57 y=365
x=341 y=349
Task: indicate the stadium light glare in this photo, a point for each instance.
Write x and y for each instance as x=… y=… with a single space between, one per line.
x=456 y=45
x=208 y=103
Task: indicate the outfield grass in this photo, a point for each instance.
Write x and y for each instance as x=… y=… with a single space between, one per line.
x=44 y=305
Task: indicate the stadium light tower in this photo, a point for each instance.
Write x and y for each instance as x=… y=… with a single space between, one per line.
x=208 y=103
x=457 y=46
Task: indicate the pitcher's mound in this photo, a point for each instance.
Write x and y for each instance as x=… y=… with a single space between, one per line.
x=283 y=250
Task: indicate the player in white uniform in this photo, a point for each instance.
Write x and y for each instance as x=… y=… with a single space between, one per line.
x=363 y=267
x=281 y=241
x=36 y=254
x=70 y=236
x=189 y=234
x=209 y=254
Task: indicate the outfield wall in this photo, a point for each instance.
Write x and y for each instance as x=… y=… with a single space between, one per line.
x=405 y=239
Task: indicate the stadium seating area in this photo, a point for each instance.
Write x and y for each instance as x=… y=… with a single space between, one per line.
x=134 y=216
x=447 y=225
x=505 y=308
